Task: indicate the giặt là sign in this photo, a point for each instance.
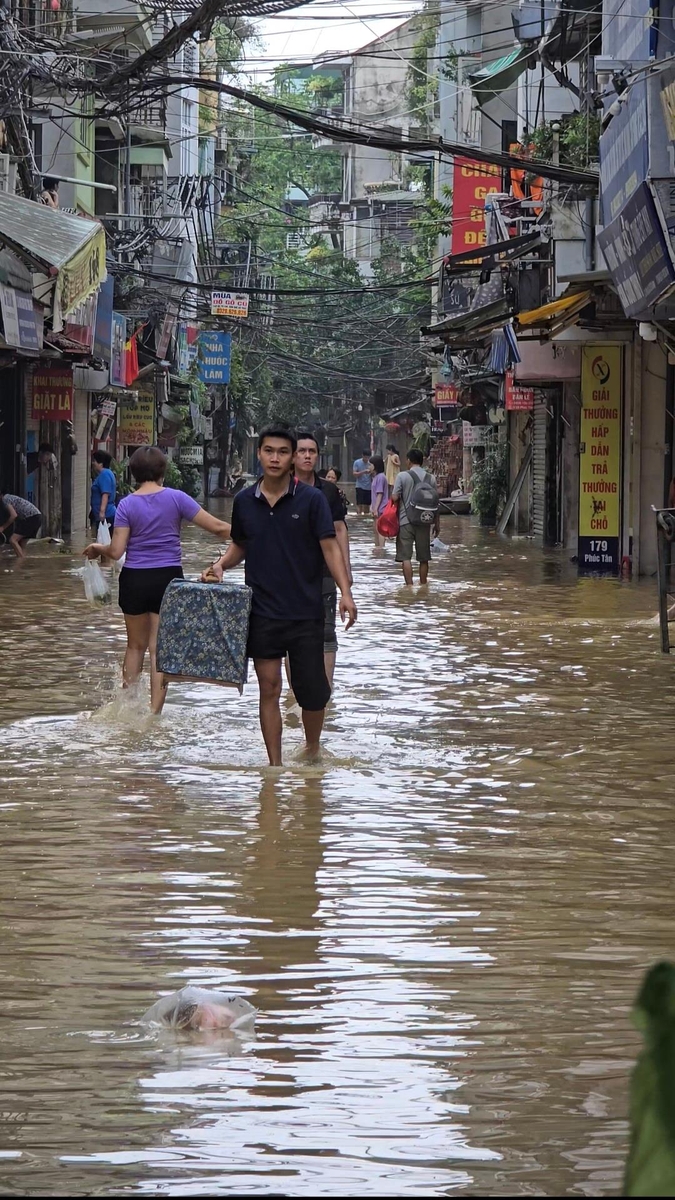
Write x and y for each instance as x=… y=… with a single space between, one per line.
x=600 y=460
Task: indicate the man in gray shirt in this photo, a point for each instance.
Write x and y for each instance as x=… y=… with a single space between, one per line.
x=417 y=537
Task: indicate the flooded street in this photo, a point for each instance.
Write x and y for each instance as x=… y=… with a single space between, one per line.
x=442 y=928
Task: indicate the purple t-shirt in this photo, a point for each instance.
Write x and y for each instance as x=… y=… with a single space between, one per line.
x=380 y=485
x=154 y=521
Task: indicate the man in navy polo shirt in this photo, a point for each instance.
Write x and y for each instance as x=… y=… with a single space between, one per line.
x=284 y=531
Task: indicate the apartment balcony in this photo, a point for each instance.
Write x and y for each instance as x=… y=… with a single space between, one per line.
x=103 y=19
x=148 y=121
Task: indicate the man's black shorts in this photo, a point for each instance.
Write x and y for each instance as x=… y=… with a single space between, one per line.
x=302 y=641
x=364 y=497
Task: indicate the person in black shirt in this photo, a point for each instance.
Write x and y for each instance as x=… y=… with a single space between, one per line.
x=306 y=458
x=284 y=532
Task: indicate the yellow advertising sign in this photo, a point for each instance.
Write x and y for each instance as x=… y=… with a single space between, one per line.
x=82 y=274
x=136 y=422
x=600 y=459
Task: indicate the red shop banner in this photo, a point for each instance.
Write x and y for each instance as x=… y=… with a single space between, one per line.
x=517 y=398
x=53 y=394
x=446 y=393
x=472 y=182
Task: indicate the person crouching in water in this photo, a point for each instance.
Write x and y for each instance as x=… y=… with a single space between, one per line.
x=19 y=521
x=147 y=529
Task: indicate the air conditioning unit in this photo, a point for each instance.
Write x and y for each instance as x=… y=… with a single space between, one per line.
x=7 y=174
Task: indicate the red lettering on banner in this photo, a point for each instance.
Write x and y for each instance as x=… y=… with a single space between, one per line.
x=472 y=183
x=52 y=394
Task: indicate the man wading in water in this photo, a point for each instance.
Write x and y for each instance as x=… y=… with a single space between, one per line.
x=284 y=531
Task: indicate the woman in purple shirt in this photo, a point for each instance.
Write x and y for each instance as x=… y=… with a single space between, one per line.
x=147 y=529
x=379 y=495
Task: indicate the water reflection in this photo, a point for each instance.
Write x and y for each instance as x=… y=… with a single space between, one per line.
x=442 y=929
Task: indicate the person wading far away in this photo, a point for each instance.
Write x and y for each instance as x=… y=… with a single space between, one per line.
x=306 y=458
x=284 y=531
x=412 y=534
x=363 y=474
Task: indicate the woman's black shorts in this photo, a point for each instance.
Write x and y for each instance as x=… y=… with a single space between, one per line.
x=26 y=527
x=302 y=641
x=142 y=589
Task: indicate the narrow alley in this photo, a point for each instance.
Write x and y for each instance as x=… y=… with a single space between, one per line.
x=454 y=912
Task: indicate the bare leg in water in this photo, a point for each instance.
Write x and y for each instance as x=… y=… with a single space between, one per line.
x=268 y=671
x=142 y=636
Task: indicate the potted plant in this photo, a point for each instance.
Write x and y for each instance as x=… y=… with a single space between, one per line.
x=490 y=483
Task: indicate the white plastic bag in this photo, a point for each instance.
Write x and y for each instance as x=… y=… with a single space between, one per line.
x=96 y=586
x=200 y=1010
x=103 y=536
x=437 y=544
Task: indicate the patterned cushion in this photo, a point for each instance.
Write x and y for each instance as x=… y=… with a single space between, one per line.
x=203 y=630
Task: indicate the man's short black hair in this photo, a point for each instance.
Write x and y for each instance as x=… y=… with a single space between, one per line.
x=50 y=184
x=278 y=430
x=102 y=457
x=304 y=435
x=45 y=448
x=364 y=453
x=415 y=456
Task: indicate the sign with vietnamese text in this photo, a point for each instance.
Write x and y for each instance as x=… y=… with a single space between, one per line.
x=446 y=393
x=600 y=460
x=136 y=424
x=214 y=357
x=516 y=397
x=635 y=251
x=192 y=456
x=472 y=182
x=475 y=435
x=18 y=319
x=624 y=152
x=52 y=394
x=229 y=304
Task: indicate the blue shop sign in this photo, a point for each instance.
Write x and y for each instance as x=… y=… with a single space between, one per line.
x=104 y=316
x=637 y=256
x=214 y=357
x=629 y=30
x=624 y=149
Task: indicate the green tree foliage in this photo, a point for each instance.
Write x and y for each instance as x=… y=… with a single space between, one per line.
x=650 y=1169
x=324 y=351
x=422 y=83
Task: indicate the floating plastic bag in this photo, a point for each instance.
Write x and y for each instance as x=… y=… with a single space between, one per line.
x=197 y=1010
x=96 y=586
x=103 y=535
x=437 y=544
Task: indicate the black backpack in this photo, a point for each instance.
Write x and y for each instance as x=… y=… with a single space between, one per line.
x=424 y=501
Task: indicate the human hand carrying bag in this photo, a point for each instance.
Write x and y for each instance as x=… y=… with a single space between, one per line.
x=387 y=522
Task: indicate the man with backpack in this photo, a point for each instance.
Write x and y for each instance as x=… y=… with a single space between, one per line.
x=416 y=494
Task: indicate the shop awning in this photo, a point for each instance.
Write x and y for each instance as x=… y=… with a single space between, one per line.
x=566 y=308
x=490 y=81
x=476 y=321
x=70 y=248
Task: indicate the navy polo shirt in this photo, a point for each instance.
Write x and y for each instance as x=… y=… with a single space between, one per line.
x=284 y=561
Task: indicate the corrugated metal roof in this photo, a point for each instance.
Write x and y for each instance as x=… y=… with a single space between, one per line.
x=47 y=235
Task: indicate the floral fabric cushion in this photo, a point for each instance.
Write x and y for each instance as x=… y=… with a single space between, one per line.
x=203 y=630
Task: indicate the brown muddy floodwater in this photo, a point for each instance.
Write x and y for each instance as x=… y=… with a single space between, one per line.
x=442 y=929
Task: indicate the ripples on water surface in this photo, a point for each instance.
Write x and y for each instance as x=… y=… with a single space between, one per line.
x=442 y=930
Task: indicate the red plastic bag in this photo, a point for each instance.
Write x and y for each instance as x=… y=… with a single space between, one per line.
x=387 y=522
